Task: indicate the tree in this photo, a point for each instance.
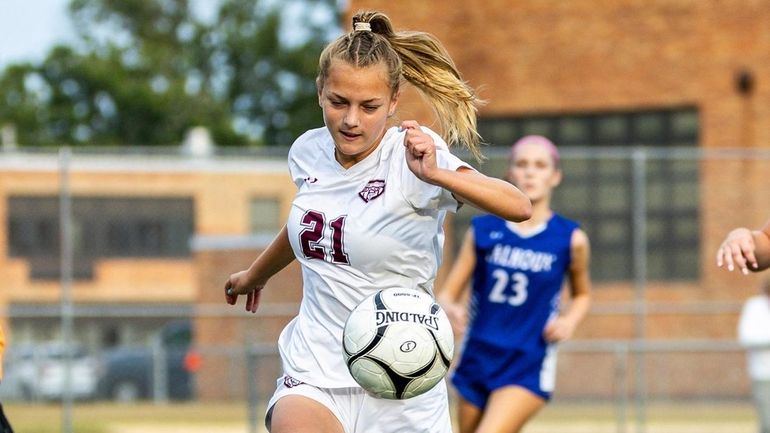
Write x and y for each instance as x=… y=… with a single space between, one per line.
x=145 y=71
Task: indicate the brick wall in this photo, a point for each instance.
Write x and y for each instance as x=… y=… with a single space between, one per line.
x=220 y=190
x=221 y=375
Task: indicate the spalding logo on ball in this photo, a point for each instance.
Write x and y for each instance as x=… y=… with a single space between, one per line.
x=398 y=343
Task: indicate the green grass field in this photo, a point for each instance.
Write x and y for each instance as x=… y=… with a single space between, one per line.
x=661 y=418
x=558 y=417
x=116 y=418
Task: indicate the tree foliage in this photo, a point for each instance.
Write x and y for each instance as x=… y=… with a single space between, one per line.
x=145 y=71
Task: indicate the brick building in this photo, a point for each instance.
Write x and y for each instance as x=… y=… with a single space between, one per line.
x=132 y=217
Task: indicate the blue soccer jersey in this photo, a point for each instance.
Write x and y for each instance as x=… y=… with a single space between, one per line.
x=516 y=287
x=517 y=280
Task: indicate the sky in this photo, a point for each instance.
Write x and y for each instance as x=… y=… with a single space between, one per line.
x=29 y=28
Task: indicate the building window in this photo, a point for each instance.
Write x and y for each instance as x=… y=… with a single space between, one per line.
x=598 y=191
x=103 y=227
x=265 y=215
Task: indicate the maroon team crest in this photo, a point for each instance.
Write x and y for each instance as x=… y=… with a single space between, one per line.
x=372 y=190
x=290 y=382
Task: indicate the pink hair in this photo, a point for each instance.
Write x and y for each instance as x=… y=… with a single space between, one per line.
x=540 y=141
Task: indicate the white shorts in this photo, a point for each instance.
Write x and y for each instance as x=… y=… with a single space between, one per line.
x=359 y=412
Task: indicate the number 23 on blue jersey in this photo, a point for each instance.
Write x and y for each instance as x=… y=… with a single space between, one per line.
x=517 y=281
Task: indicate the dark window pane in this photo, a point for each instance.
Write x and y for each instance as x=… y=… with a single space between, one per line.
x=648 y=129
x=537 y=127
x=685 y=229
x=657 y=196
x=611 y=129
x=614 y=231
x=685 y=195
x=265 y=215
x=656 y=229
x=656 y=264
x=598 y=192
x=575 y=168
x=102 y=227
x=614 y=266
x=579 y=198
x=45 y=234
x=684 y=125
x=574 y=131
x=502 y=133
x=20 y=237
x=150 y=237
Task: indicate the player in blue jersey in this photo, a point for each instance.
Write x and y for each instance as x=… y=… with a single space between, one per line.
x=507 y=369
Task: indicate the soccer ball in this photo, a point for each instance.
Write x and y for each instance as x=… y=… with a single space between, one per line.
x=398 y=343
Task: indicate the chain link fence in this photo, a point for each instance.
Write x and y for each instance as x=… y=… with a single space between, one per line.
x=114 y=259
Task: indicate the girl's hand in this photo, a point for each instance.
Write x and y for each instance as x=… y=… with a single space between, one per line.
x=240 y=284
x=458 y=316
x=738 y=250
x=558 y=329
x=420 y=151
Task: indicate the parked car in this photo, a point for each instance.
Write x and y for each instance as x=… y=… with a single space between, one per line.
x=38 y=371
x=127 y=373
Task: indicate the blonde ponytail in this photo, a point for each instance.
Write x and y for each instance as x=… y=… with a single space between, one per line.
x=428 y=67
x=420 y=59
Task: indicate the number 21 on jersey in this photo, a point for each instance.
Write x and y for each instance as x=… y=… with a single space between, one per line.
x=311 y=238
x=518 y=283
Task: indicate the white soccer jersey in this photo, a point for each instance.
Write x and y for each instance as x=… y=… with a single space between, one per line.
x=754 y=335
x=372 y=226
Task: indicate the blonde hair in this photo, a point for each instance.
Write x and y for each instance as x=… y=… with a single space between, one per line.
x=420 y=59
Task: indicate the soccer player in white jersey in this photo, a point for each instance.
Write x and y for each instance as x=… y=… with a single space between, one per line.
x=368 y=215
